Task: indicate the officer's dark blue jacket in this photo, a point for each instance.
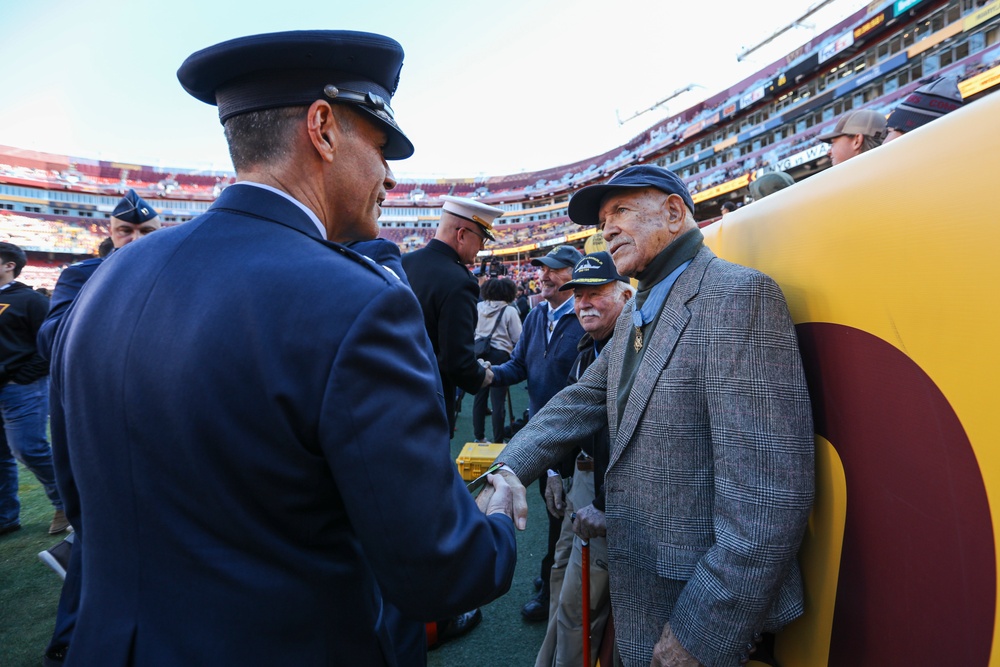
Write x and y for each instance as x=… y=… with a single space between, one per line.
x=260 y=451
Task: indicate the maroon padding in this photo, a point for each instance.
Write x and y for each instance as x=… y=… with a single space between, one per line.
x=917 y=576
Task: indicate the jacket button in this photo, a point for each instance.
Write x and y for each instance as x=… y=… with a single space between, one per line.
x=757 y=637
x=750 y=647
x=744 y=659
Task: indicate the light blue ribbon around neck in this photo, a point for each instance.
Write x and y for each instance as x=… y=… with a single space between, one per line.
x=657 y=295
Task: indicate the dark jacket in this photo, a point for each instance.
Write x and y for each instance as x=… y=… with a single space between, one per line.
x=22 y=311
x=448 y=295
x=70 y=282
x=596 y=445
x=236 y=431
x=544 y=364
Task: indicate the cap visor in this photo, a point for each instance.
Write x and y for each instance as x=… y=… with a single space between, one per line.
x=398 y=147
x=586 y=282
x=549 y=262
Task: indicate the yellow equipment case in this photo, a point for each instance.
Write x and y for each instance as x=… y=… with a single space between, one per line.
x=476 y=457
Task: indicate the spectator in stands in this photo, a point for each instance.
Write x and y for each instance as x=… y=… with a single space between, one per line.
x=728 y=207
x=500 y=324
x=770 y=183
x=24 y=394
x=234 y=429
x=448 y=292
x=131 y=219
x=856 y=132
x=543 y=356
x=600 y=294
x=710 y=479
x=923 y=105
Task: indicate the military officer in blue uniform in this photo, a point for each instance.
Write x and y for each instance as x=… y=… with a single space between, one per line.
x=131 y=219
x=261 y=458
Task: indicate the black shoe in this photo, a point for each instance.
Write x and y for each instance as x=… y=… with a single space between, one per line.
x=10 y=529
x=458 y=626
x=57 y=557
x=538 y=584
x=537 y=608
x=54 y=657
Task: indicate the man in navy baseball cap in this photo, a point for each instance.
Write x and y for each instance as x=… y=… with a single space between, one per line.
x=584 y=205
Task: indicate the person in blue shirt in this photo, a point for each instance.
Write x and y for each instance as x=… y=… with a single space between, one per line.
x=543 y=356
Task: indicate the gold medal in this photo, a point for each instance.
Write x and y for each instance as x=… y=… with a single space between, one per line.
x=637 y=344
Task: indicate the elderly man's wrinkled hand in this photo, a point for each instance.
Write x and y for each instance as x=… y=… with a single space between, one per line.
x=555 y=496
x=669 y=652
x=501 y=498
x=488 y=378
x=519 y=498
x=589 y=523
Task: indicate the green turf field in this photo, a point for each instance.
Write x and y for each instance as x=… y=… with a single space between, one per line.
x=29 y=590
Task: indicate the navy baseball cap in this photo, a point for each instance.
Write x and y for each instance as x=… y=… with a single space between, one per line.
x=134 y=209
x=586 y=203
x=562 y=257
x=296 y=68
x=597 y=268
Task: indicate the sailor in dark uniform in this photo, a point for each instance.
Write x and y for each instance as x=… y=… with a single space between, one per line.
x=262 y=465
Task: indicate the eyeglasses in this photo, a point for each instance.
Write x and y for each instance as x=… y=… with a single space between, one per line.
x=482 y=237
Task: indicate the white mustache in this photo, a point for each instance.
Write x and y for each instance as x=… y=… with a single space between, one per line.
x=590 y=312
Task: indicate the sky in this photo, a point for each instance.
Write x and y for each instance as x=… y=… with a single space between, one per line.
x=487 y=88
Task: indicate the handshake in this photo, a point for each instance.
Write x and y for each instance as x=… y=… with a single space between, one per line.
x=488 y=378
x=505 y=494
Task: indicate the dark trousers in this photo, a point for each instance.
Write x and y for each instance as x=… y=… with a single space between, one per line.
x=496 y=396
x=555 y=528
x=69 y=599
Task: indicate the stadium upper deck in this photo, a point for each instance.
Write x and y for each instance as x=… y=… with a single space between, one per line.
x=769 y=121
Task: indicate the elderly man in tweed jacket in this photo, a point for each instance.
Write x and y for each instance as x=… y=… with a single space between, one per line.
x=710 y=479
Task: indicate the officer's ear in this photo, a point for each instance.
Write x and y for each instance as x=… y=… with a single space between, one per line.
x=321 y=126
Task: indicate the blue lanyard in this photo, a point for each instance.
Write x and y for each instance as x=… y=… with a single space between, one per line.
x=654 y=302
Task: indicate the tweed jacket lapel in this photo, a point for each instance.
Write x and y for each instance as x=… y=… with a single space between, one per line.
x=659 y=348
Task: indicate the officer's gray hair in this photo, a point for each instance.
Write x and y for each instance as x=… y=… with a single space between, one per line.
x=262 y=137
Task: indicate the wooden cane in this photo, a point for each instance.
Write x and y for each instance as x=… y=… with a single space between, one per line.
x=585 y=594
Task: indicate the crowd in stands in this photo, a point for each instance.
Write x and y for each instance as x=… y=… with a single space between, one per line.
x=41 y=235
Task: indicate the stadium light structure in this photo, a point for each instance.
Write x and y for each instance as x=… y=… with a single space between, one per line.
x=777 y=33
x=676 y=93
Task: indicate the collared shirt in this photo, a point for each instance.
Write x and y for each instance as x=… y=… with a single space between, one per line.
x=308 y=211
x=555 y=314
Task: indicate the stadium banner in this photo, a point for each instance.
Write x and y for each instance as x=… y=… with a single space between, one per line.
x=836 y=46
x=936 y=38
x=980 y=82
x=793 y=75
x=872 y=26
x=904 y=6
x=722 y=189
x=576 y=236
x=897 y=60
x=982 y=15
x=755 y=95
x=800 y=158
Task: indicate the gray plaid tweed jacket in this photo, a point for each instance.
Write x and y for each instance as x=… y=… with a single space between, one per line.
x=710 y=480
